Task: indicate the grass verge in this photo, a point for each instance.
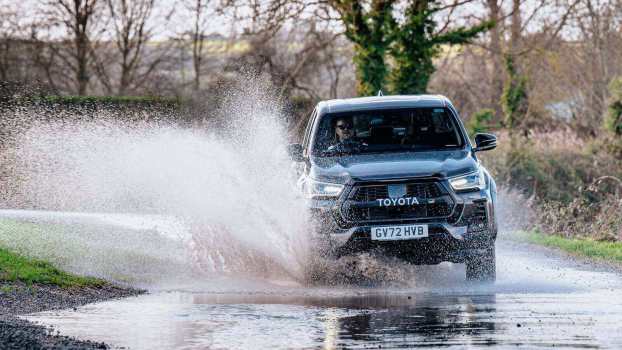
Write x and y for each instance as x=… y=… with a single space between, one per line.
x=14 y=268
x=86 y=247
x=608 y=251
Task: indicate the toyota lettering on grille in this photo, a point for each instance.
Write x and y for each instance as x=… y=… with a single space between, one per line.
x=393 y=202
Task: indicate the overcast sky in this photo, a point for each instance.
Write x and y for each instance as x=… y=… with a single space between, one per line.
x=181 y=20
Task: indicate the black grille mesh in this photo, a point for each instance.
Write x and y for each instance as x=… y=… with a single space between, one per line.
x=434 y=201
x=419 y=190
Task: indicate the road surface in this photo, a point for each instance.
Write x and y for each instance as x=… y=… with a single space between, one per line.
x=542 y=299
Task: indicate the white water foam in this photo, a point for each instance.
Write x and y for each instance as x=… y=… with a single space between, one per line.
x=233 y=188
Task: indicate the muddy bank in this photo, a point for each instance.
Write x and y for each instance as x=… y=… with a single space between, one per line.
x=17 y=298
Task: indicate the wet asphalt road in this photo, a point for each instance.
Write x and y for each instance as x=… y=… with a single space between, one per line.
x=542 y=299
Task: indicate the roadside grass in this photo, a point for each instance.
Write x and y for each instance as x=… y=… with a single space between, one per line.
x=92 y=249
x=45 y=243
x=18 y=268
x=601 y=250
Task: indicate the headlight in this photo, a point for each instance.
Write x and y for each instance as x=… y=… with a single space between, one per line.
x=470 y=182
x=315 y=189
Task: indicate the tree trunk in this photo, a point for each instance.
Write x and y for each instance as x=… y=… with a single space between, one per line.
x=517 y=23
x=82 y=75
x=83 y=11
x=197 y=43
x=197 y=59
x=496 y=52
x=123 y=82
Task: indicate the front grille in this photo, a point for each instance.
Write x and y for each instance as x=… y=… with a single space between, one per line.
x=374 y=192
x=362 y=205
x=370 y=193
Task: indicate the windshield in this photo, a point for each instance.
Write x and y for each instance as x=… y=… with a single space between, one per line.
x=413 y=129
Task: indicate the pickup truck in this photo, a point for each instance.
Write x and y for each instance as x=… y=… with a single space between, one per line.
x=399 y=175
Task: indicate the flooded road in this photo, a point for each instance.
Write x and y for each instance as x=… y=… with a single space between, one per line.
x=542 y=299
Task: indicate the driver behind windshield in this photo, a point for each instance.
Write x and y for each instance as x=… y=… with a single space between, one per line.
x=344 y=139
x=343 y=130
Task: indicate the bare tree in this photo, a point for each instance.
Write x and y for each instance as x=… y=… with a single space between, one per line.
x=264 y=17
x=132 y=32
x=523 y=30
x=200 y=22
x=78 y=17
x=308 y=68
x=593 y=60
x=338 y=58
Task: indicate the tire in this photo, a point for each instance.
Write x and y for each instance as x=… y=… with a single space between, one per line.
x=482 y=267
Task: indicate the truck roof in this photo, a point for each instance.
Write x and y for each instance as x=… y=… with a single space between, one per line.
x=382 y=102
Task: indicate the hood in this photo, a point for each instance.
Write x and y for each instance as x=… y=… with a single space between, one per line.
x=369 y=167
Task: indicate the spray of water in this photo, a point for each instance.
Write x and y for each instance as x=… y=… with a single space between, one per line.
x=515 y=211
x=232 y=188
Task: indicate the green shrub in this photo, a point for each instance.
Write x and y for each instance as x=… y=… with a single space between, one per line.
x=481 y=121
x=613 y=118
x=552 y=167
x=544 y=175
x=595 y=219
x=514 y=100
x=576 y=186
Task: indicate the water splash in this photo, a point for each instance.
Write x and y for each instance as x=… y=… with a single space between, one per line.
x=232 y=187
x=515 y=211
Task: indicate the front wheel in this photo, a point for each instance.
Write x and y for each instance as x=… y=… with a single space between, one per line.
x=482 y=266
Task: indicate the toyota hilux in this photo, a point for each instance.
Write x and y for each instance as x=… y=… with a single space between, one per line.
x=399 y=175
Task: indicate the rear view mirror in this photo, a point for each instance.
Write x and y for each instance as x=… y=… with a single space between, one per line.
x=295 y=152
x=484 y=142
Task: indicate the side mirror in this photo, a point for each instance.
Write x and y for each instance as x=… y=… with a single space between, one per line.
x=484 y=142
x=295 y=152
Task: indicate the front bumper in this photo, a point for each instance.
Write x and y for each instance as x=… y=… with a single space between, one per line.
x=444 y=243
x=470 y=229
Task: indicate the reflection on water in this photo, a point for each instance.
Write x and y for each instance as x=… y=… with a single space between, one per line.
x=388 y=320
x=457 y=321
x=197 y=321
x=323 y=319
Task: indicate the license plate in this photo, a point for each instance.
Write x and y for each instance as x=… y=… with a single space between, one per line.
x=396 y=233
